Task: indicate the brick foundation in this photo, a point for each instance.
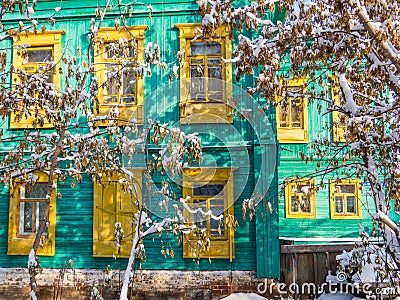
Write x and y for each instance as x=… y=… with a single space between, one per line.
x=151 y=285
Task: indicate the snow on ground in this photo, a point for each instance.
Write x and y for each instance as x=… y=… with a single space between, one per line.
x=338 y=296
x=244 y=296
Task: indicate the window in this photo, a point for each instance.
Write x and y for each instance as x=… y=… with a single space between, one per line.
x=209 y=189
x=339 y=120
x=35 y=54
x=397 y=210
x=113 y=203
x=27 y=204
x=205 y=77
x=345 y=199
x=292 y=113
x=119 y=83
x=300 y=199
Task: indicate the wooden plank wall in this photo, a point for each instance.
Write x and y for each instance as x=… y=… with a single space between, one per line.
x=301 y=263
x=75 y=208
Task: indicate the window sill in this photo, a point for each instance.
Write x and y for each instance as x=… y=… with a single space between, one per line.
x=126 y=114
x=196 y=112
x=290 y=135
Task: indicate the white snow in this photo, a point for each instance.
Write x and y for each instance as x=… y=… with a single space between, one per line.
x=33 y=295
x=336 y=296
x=244 y=296
x=32 y=259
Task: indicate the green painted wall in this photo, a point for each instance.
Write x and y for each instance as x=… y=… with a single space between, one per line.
x=290 y=165
x=74 y=236
x=256 y=241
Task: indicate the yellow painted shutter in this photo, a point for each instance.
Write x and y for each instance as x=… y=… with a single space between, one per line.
x=103 y=230
x=111 y=205
x=125 y=210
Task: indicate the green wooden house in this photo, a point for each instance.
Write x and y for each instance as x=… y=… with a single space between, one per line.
x=239 y=152
x=315 y=208
x=246 y=157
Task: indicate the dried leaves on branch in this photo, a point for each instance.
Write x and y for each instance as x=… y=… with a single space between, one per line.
x=349 y=52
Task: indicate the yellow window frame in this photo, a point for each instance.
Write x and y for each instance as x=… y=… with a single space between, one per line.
x=357 y=194
x=22 y=244
x=50 y=39
x=111 y=204
x=220 y=246
x=291 y=189
x=206 y=111
x=127 y=111
x=290 y=134
x=338 y=129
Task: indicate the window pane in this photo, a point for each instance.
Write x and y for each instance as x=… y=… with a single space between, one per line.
x=214 y=89
x=217 y=226
x=110 y=99
x=29 y=69
x=284 y=116
x=339 y=205
x=294 y=203
x=38 y=191
x=196 y=71
x=215 y=95
x=197 y=62
x=128 y=86
x=208 y=189
x=109 y=51
x=345 y=188
x=112 y=83
x=41 y=207
x=198 y=218
x=297 y=112
x=130 y=51
x=214 y=224
x=41 y=70
x=42 y=55
x=301 y=188
x=351 y=204
x=210 y=48
x=214 y=61
x=217 y=206
x=196 y=81
x=214 y=86
x=25 y=222
x=215 y=72
x=197 y=89
x=305 y=204
x=127 y=100
x=114 y=51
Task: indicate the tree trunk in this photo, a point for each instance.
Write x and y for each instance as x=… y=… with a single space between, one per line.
x=129 y=267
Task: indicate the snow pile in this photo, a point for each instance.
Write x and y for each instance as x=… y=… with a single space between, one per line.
x=244 y=296
x=337 y=296
x=32 y=261
x=369 y=258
